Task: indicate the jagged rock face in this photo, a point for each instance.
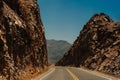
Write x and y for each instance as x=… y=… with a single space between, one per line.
x=22 y=40
x=97 y=47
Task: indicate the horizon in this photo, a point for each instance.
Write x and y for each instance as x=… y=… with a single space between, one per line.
x=64 y=19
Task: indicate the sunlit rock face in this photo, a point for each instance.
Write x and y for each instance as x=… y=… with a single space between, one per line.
x=22 y=40
x=97 y=47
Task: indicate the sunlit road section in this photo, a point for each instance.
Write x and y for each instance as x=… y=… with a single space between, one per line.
x=69 y=73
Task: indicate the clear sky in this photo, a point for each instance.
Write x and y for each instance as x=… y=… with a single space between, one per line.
x=63 y=19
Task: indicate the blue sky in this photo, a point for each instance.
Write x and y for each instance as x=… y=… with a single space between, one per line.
x=63 y=19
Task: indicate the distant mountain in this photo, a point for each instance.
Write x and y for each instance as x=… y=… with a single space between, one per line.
x=97 y=47
x=56 y=49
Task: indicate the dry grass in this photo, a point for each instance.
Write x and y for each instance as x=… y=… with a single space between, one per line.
x=31 y=76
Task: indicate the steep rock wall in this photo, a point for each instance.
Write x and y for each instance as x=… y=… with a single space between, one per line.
x=22 y=40
x=97 y=47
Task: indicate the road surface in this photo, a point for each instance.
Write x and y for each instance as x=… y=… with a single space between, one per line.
x=69 y=73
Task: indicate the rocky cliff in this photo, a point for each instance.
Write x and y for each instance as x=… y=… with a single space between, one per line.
x=22 y=40
x=97 y=47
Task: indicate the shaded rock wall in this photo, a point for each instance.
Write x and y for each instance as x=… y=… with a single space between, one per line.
x=97 y=47
x=22 y=40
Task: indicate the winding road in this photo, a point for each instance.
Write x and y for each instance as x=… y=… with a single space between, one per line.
x=70 y=73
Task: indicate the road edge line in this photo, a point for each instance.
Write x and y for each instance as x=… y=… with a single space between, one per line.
x=95 y=74
x=47 y=74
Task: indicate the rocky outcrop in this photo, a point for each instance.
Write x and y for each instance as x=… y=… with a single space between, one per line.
x=97 y=47
x=22 y=40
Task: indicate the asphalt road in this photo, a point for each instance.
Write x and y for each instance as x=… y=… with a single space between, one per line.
x=68 y=73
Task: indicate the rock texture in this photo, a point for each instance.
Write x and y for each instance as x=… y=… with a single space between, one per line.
x=22 y=40
x=97 y=47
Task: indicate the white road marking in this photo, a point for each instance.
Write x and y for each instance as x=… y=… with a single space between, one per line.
x=47 y=74
x=96 y=74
